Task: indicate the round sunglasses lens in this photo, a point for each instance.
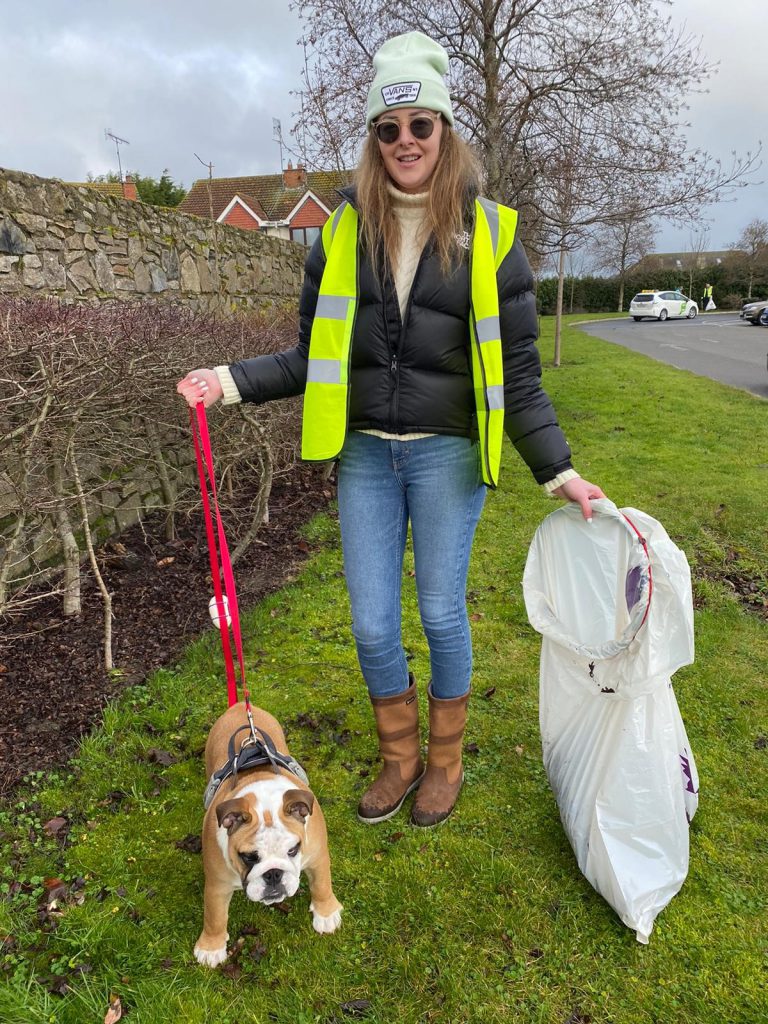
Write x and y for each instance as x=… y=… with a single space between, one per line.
x=388 y=132
x=422 y=127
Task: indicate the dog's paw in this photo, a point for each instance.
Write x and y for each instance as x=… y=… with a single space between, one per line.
x=325 y=924
x=211 y=957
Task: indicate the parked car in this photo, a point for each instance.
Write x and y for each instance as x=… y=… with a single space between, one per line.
x=751 y=310
x=661 y=305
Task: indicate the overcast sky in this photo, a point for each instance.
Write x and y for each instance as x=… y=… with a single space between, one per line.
x=181 y=77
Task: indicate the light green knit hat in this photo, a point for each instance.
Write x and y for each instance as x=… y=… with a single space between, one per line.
x=408 y=72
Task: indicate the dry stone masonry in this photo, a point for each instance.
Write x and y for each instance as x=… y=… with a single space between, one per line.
x=80 y=245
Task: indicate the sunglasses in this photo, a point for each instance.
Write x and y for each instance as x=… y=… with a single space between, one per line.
x=420 y=127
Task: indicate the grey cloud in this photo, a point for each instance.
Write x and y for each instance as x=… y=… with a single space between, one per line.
x=179 y=77
x=171 y=79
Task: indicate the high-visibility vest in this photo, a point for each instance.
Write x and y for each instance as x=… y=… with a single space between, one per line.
x=708 y=292
x=326 y=398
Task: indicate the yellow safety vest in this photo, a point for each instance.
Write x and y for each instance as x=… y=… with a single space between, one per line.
x=326 y=399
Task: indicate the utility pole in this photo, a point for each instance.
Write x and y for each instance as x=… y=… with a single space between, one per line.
x=215 y=224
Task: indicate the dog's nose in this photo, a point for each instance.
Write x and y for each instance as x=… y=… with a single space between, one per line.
x=273 y=876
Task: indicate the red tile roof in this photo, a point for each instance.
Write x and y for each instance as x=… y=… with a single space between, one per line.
x=251 y=201
x=266 y=194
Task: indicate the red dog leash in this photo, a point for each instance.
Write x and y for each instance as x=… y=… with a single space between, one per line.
x=226 y=606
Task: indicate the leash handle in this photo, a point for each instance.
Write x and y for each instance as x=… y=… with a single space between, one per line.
x=204 y=457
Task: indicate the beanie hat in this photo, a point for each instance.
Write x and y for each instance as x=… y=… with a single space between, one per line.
x=408 y=72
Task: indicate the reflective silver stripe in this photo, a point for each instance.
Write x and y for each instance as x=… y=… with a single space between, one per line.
x=495 y=396
x=324 y=371
x=332 y=307
x=337 y=217
x=492 y=213
x=488 y=329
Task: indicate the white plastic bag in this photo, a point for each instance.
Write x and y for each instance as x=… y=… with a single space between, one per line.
x=612 y=600
x=710 y=305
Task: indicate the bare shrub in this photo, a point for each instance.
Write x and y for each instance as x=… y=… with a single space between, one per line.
x=92 y=431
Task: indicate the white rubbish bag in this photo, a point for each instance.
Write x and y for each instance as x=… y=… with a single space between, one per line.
x=612 y=600
x=710 y=305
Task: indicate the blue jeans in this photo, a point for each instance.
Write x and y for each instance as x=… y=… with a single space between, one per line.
x=436 y=483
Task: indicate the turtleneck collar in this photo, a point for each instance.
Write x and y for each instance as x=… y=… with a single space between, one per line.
x=406 y=199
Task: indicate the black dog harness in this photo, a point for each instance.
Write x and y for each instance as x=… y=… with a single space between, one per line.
x=254 y=752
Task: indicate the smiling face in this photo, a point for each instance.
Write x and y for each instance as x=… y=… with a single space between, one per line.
x=263 y=839
x=410 y=162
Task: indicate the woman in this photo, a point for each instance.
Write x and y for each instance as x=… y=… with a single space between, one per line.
x=416 y=350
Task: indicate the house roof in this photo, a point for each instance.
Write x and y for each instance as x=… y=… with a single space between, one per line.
x=110 y=188
x=250 y=201
x=672 y=260
x=266 y=194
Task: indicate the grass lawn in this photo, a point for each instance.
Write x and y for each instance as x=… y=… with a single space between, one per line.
x=486 y=919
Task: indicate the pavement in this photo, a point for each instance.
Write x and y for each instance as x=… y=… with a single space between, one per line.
x=717 y=345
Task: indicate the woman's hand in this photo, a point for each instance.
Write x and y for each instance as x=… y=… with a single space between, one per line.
x=200 y=386
x=580 y=491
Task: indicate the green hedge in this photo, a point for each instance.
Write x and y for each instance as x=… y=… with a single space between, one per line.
x=593 y=294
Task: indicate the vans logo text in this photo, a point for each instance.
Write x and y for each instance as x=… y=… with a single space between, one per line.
x=403 y=92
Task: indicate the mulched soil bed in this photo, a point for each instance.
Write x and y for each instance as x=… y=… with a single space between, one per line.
x=53 y=685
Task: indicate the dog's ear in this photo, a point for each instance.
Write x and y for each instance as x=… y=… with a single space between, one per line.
x=298 y=804
x=232 y=814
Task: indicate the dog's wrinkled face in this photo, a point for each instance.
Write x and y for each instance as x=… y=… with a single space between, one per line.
x=262 y=833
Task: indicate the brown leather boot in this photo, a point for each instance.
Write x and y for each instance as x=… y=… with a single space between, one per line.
x=440 y=789
x=397 y=724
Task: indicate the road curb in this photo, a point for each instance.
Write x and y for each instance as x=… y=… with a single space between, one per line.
x=607 y=319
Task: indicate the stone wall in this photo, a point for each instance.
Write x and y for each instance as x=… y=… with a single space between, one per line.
x=81 y=245
x=114 y=504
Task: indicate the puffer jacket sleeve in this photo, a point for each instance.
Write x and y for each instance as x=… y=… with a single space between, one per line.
x=529 y=418
x=284 y=374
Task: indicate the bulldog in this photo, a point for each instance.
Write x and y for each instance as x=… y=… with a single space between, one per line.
x=261 y=830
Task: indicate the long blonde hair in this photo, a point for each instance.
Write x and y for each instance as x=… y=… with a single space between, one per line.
x=455 y=180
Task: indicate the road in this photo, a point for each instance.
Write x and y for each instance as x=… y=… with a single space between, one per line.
x=716 y=345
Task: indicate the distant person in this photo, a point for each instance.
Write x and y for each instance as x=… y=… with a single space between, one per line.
x=706 y=298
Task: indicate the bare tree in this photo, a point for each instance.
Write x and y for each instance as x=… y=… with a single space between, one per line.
x=90 y=426
x=563 y=112
x=698 y=243
x=751 y=250
x=509 y=58
x=574 y=269
x=621 y=243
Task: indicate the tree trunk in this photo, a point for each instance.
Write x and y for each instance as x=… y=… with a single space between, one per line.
x=169 y=496
x=559 y=308
x=621 y=295
x=72 y=604
x=9 y=549
x=106 y=597
x=261 y=511
x=751 y=278
x=13 y=543
x=493 y=135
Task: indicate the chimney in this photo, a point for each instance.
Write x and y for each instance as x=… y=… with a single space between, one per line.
x=294 y=177
x=129 y=188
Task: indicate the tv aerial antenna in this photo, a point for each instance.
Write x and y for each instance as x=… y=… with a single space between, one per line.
x=118 y=143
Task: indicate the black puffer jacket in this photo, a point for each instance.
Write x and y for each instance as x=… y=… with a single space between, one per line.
x=415 y=375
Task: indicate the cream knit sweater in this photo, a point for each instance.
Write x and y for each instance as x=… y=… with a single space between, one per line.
x=410 y=211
